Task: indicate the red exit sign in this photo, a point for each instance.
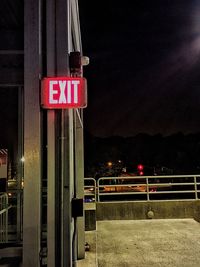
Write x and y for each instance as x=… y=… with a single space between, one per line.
x=63 y=93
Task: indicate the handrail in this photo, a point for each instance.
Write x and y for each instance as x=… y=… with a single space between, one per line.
x=4 y=217
x=172 y=186
x=8 y=222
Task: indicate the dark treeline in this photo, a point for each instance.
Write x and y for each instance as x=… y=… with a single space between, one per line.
x=178 y=152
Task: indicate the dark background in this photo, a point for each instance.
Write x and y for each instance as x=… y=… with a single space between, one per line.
x=143 y=84
x=144 y=67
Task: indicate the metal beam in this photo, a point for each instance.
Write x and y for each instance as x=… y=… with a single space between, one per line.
x=76 y=26
x=20 y=163
x=3 y=85
x=79 y=146
x=11 y=76
x=11 y=52
x=79 y=183
x=32 y=134
x=60 y=141
x=63 y=41
x=52 y=221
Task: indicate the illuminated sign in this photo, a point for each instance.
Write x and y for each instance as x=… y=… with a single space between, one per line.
x=63 y=93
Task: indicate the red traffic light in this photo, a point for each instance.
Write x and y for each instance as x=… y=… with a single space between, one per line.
x=140 y=167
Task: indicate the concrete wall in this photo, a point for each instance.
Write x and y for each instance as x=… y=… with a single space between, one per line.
x=140 y=210
x=90 y=216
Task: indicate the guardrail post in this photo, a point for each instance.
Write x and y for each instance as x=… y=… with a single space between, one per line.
x=147 y=184
x=195 y=187
x=6 y=219
x=98 y=198
x=3 y=218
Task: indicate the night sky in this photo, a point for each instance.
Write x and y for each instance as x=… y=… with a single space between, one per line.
x=144 y=71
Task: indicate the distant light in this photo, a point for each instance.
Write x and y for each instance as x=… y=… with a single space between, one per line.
x=124 y=169
x=141 y=173
x=110 y=164
x=140 y=167
x=22 y=159
x=119 y=161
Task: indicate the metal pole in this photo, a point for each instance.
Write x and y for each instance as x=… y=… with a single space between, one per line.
x=20 y=171
x=60 y=136
x=52 y=221
x=60 y=141
x=195 y=187
x=63 y=40
x=79 y=235
x=67 y=226
x=147 y=185
x=32 y=134
x=79 y=186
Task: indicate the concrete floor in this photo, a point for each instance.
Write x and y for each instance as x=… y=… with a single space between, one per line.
x=144 y=243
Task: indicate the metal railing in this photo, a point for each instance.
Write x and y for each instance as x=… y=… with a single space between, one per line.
x=15 y=202
x=146 y=188
x=3 y=217
x=90 y=190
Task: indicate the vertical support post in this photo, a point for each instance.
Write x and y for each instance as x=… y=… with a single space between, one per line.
x=79 y=174
x=147 y=185
x=60 y=141
x=67 y=184
x=51 y=140
x=32 y=135
x=6 y=220
x=98 y=191
x=63 y=38
x=79 y=235
x=51 y=192
x=20 y=169
x=195 y=187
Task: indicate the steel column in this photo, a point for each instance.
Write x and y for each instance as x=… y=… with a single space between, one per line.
x=79 y=245
x=79 y=182
x=20 y=163
x=60 y=141
x=32 y=134
x=51 y=141
x=63 y=39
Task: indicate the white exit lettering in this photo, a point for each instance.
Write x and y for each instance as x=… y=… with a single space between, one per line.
x=63 y=92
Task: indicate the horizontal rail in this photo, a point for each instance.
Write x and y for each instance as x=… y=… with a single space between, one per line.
x=177 y=186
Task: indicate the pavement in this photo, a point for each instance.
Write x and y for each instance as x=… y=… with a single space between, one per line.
x=143 y=243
